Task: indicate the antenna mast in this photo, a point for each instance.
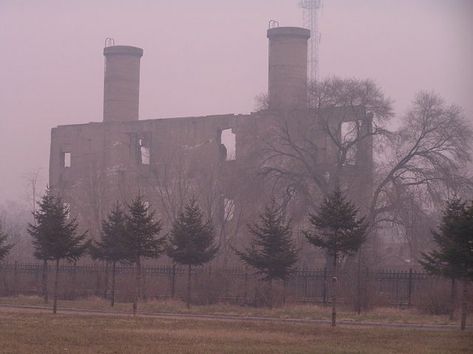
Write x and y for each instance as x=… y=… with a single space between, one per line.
x=310 y=17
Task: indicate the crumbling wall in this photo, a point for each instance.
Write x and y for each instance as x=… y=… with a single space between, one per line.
x=224 y=161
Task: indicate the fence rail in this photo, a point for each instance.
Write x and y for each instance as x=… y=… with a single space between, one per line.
x=360 y=287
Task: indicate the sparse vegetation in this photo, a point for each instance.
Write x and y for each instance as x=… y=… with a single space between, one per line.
x=24 y=332
x=294 y=311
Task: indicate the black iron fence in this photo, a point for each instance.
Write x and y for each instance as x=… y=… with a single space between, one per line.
x=361 y=287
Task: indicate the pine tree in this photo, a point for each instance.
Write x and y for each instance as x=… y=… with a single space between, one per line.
x=4 y=247
x=454 y=254
x=337 y=229
x=142 y=239
x=272 y=251
x=55 y=235
x=192 y=241
x=111 y=248
x=39 y=235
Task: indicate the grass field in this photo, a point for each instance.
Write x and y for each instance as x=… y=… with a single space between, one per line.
x=26 y=332
x=390 y=315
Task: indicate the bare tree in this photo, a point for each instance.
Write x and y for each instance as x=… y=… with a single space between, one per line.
x=178 y=179
x=308 y=155
x=426 y=157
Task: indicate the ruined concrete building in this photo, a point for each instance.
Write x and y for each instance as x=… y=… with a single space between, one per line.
x=231 y=163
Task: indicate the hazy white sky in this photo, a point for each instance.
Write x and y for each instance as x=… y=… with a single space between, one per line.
x=206 y=57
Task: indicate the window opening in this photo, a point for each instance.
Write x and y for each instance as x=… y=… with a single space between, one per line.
x=67 y=159
x=349 y=134
x=228 y=140
x=144 y=153
x=229 y=209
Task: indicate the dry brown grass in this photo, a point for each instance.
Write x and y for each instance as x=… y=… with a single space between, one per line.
x=390 y=315
x=24 y=332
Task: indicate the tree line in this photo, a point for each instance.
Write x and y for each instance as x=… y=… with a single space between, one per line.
x=132 y=233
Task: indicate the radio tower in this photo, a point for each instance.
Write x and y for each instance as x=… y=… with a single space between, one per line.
x=310 y=17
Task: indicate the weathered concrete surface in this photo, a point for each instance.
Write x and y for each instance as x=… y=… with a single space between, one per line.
x=287 y=78
x=121 y=83
x=169 y=161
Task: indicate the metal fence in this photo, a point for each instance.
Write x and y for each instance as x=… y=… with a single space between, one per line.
x=360 y=287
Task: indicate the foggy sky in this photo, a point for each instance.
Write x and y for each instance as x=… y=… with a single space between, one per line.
x=207 y=57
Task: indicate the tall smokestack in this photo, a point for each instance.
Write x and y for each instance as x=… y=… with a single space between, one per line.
x=121 y=83
x=287 y=80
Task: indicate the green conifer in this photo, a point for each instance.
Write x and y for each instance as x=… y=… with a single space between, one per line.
x=272 y=250
x=192 y=241
x=55 y=235
x=142 y=241
x=337 y=229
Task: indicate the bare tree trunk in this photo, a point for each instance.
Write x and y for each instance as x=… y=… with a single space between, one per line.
x=55 y=286
x=464 y=304
x=284 y=291
x=105 y=285
x=173 y=280
x=112 y=300
x=358 y=284
x=334 y=292
x=453 y=295
x=45 y=281
x=74 y=280
x=189 y=269
x=137 y=285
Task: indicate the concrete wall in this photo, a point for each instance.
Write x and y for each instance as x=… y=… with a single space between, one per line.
x=287 y=79
x=169 y=161
x=121 y=83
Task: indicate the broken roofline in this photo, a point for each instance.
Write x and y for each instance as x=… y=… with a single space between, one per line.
x=166 y=119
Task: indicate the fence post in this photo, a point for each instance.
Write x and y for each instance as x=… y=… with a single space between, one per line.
x=409 y=289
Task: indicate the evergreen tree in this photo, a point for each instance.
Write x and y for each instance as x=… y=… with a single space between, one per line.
x=272 y=251
x=337 y=229
x=192 y=241
x=111 y=248
x=55 y=235
x=4 y=247
x=141 y=239
x=454 y=254
x=39 y=235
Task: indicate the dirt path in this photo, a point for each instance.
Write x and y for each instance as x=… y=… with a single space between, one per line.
x=232 y=318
